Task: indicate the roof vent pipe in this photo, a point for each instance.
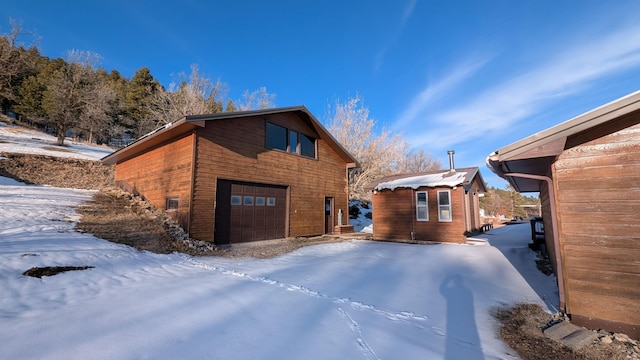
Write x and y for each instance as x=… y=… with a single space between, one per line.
x=451 y=167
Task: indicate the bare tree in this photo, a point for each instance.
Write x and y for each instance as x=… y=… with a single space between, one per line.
x=96 y=118
x=415 y=160
x=191 y=95
x=73 y=94
x=379 y=154
x=258 y=99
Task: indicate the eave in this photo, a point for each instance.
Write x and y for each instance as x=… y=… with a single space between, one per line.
x=152 y=140
x=536 y=153
x=192 y=122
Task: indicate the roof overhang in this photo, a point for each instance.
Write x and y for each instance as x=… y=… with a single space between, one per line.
x=535 y=154
x=192 y=122
x=153 y=139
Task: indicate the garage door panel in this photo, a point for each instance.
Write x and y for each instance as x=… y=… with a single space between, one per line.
x=252 y=212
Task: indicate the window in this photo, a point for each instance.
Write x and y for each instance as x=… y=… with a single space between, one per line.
x=307 y=146
x=422 y=208
x=172 y=203
x=248 y=200
x=281 y=138
x=444 y=205
x=293 y=142
x=276 y=137
x=259 y=200
x=236 y=200
x=271 y=201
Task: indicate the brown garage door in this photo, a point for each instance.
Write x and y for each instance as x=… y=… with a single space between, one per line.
x=249 y=212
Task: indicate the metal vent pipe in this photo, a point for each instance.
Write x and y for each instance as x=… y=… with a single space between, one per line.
x=451 y=167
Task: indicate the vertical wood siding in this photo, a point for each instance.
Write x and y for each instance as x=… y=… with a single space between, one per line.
x=160 y=173
x=472 y=206
x=235 y=150
x=394 y=216
x=598 y=206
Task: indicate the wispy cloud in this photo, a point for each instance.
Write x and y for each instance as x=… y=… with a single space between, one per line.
x=572 y=71
x=433 y=91
x=406 y=15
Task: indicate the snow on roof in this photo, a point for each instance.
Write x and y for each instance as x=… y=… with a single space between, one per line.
x=446 y=178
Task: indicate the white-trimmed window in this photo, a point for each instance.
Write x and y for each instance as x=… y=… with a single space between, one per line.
x=444 y=205
x=422 y=206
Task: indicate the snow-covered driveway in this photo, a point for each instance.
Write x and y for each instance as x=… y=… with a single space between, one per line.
x=350 y=300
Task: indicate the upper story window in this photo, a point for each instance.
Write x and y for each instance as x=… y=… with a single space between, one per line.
x=307 y=146
x=444 y=205
x=284 y=139
x=276 y=137
x=293 y=142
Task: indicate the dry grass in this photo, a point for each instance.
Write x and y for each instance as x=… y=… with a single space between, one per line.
x=116 y=216
x=522 y=328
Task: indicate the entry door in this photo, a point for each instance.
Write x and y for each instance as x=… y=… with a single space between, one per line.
x=328 y=215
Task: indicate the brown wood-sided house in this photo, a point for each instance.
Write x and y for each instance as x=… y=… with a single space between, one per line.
x=439 y=206
x=587 y=171
x=241 y=176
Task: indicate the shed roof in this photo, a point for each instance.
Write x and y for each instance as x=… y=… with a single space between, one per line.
x=439 y=178
x=535 y=154
x=191 y=122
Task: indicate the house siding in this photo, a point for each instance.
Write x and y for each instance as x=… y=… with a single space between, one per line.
x=597 y=187
x=162 y=172
x=235 y=150
x=472 y=208
x=394 y=216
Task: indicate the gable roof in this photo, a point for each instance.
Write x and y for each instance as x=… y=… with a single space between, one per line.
x=440 y=178
x=535 y=154
x=191 y=122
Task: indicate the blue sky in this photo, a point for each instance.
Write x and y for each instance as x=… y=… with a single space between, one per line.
x=472 y=76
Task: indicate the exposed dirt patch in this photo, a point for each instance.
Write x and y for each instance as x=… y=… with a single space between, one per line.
x=54 y=171
x=52 y=270
x=543 y=263
x=60 y=149
x=522 y=329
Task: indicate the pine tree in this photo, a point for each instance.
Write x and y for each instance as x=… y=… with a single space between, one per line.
x=138 y=101
x=231 y=107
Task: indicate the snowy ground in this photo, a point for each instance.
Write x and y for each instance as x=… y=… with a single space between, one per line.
x=350 y=300
x=27 y=141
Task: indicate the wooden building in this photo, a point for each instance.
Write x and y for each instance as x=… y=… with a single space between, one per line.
x=587 y=171
x=439 y=206
x=241 y=176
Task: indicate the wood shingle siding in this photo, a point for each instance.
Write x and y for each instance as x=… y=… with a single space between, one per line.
x=394 y=209
x=594 y=201
x=188 y=158
x=598 y=186
x=162 y=172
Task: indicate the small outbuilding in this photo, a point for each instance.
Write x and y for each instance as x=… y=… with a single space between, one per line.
x=241 y=176
x=438 y=206
x=587 y=171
